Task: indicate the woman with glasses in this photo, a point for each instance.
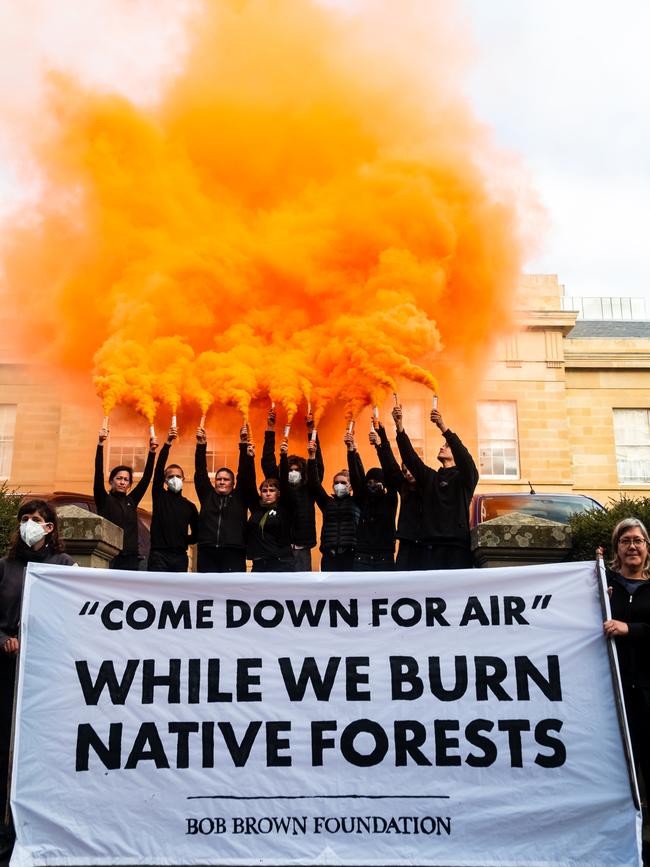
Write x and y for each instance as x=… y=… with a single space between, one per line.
x=629 y=588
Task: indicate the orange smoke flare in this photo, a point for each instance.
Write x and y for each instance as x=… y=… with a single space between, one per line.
x=265 y=233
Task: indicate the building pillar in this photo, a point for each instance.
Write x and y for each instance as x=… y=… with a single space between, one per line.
x=89 y=539
x=517 y=539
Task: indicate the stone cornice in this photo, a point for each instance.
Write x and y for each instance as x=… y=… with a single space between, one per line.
x=544 y=320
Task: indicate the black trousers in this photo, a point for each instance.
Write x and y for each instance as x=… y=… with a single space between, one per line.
x=417 y=555
x=165 y=560
x=7 y=683
x=126 y=561
x=213 y=559
x=637 y=709
x=342 y=562
x=373 y=562
x=274 y=564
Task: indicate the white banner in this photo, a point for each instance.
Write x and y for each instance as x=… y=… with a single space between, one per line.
x=445 y=718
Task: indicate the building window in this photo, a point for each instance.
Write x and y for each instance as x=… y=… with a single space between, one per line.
x=130 y=451
x=497 y=439
x=7 y=431
x=632 y=438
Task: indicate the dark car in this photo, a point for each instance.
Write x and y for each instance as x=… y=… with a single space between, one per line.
x=553 y=507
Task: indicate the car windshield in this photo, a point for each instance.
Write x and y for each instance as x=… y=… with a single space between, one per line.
x=552 y=508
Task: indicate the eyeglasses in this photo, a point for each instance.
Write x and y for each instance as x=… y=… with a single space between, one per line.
x=636 y=540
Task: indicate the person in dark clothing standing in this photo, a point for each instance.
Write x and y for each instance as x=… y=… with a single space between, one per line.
x=119 y=505
x=299 y=499
x=224 y=508
x=269 y=526
x=338 y=538
x=172 y=514
x=35 y=540
x=446 y=495
x=377 y=500
x=629 y=587
x=413 y=552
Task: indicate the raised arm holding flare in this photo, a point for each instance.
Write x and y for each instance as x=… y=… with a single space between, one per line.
x=173 y=515
x=446 y=495
x=120 y=504
x=224 y=508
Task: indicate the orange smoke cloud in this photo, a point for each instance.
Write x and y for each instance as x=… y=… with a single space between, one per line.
x=309 y=214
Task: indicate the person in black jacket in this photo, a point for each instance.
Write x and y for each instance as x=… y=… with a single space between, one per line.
x=299 y=499
x=377 y=499
x=172 y=514
x=269 y=526
x=629 y=587
x=119 y=505
x=446 y=495
x=224 y=508
x=413 y=552
x=341 y=512
x=35 y=540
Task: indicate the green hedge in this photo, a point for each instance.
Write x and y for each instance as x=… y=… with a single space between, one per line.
x=594 y=528
x=9 y=503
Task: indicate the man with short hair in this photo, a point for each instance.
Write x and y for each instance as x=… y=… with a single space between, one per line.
x=172 y=515
x=224 y=508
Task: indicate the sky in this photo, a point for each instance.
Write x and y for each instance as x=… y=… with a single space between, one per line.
x=563 y=85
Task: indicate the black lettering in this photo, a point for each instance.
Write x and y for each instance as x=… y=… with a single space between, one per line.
x=149 y=610
x=309 y=673
x=525 y=670
x=349 y=751
x=490 y=680
x=118 y=691
x=444 y=743
x=172 y=681
x=276 y=616
x=512 y=608
x=237 y=613
x=404 y=673
x=245 y=679
x=409 y=620
x=474 y=611
x=175 y=615
x=514 y=727
x=472 y=734
x=204 y=613
x=183 y=730
x=558 y=756
x=239 y=752
x=305 y=611
x=110 y=756
x=406 y=746
x=107 y=610
x=147 y=747
x=354 y=678
x=434 y=609
x=274 y=744
x=435 y=679
x=318 y=742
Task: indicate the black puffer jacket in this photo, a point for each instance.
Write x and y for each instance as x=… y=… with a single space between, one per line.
x=340 y=515
x=223 y=517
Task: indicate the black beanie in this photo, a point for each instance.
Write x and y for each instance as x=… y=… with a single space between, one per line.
x=375 y=474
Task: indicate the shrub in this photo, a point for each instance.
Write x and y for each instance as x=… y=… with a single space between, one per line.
x=593 y=528
x=9 y=503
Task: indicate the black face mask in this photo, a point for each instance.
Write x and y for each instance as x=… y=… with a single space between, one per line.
x=375 y=488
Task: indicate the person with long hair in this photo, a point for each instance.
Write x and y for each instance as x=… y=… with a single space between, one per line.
x=35 y=540
x=120 y=503
x=629 y=586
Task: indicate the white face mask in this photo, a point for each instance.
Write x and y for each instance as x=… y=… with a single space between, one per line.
x=340 y=489
x=175 y=484
x=294 y=477
x=32 y=532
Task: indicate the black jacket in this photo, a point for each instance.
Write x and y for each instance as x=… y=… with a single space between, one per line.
x=172 y=513
x=222 y=519
x=340 y=515
x=446 y=493
x=376 y=530
x=410 y=523
x=12 y=579
x=121 y=509
x=633 y=648
x=269 y=532
x=300 y=500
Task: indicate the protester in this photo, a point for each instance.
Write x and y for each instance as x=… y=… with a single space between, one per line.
x=338 y=538
x=300 y=498
x=413 y=552
x=224 y=508
x=172 y=515
x=269 y=526
x=119 y=505
x=446 y=495
x=629 y=583
x=35 y=540
x=377 y=500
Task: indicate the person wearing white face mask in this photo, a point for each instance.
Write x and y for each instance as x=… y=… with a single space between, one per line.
x=338 y=538
x=35 y=539
x=172 y=515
